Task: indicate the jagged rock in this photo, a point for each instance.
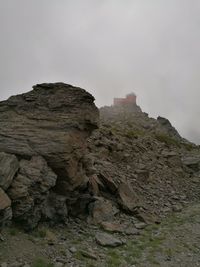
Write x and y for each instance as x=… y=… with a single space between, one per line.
x=5 y=202
x=30 y=189
x=54 y=121
x=5 y=208
x=55 y=208
x=108 y=182
x=102 y=210
x=192 y=162
x=8 y=168
x=127 y=199
x=169 y=129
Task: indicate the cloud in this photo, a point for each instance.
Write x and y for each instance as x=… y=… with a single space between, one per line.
x=110 y=48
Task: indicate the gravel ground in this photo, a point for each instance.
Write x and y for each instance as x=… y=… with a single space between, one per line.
x=174 y=242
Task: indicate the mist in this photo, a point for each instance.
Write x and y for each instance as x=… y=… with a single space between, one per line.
x=110 y=48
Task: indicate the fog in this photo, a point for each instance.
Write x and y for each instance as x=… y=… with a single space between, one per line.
x=110 y=48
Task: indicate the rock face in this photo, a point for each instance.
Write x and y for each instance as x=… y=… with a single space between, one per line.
x=170 y=130
x=53 y=121
x=8 y=168
x=5 y=208
x=43 y=137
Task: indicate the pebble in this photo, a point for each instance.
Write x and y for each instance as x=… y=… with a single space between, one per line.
x=73 y=250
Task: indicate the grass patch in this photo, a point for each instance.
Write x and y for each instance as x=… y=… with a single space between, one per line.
x=41 y=263
x=114 y=258
x=168 y=140
x=134 y=133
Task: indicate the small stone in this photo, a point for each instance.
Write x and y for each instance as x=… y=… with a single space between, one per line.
x=131 y=231
x=106 y=240
x=112 y=227
x=89 y=255
x=4 y=264
x=177 y=208
x=73 y=250
x=140 y=225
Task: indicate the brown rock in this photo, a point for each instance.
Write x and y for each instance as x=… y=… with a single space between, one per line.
x=30 y=189
x=5 y=208
x=127 y=199
x=102 y=210
x=108 y=182
x=54 y=121
x=5 y=201
x=112 y=227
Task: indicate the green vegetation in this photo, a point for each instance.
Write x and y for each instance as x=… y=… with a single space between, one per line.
x=134 y=133
x=168 y=140
x=134 y=249
x=189 y=146
x=13 y=231
x=41 y=263
x=114 y=258
x=40 y=233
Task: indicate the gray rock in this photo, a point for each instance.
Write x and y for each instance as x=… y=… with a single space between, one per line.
x=128 y=199
x=30 y=189
x=54 y=121
x=5 y=208
x=8 y=168
x=89 y=254
x=73 y=250
x=169 y=129
x=107 y=240
x=102 y=210
x=140 y=225
x=192 y=162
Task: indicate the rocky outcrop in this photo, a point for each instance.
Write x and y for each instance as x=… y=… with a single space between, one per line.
x=43 y=137
x=168 y=128
x=54 y=121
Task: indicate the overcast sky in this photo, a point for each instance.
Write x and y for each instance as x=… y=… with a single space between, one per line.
x=110 y=48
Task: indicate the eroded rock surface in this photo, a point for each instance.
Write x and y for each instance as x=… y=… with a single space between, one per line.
x=30 y=189
x=43 y=136
x=8 y=168
x=54 y=121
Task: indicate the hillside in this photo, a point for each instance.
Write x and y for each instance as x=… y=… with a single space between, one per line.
x=159 y=166
x=69 y=177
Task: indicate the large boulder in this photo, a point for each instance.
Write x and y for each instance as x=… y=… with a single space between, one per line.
x=54 y=121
